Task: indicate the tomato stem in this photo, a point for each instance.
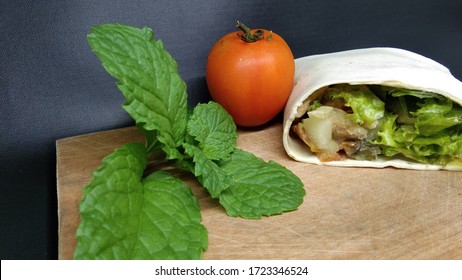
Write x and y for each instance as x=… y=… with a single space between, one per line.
x=247 y=36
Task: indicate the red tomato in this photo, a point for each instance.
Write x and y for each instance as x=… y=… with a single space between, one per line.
x=251 y=80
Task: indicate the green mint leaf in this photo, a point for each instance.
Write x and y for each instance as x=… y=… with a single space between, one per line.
x=125 y=217
x=209 y=174
x=148 y=78
x=214 y=129
x=259 y=188
x=173 y=219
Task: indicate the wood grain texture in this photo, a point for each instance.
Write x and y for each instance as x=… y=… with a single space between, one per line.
x=348 y=213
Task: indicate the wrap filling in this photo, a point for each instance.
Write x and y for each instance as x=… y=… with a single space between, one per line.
x=364 y=122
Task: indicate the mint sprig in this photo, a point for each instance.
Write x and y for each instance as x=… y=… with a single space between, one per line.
x=128 y=214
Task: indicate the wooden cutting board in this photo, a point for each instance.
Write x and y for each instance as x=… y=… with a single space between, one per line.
x=348 y=213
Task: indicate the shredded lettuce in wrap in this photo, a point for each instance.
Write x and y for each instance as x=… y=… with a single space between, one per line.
x=366 y=106
x=422 y=126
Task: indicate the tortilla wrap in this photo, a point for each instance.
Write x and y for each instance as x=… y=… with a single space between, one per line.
x=371 y=66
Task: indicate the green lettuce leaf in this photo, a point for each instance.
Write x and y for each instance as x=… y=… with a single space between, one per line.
x=434 y=116
x=214 y=130
x=123 y=216
x=430 y=113
x=437 y=149
x=401 y=92
x=148 y=78
x=386 y=133
x=367 y=107
x=442 y=145
x=259 y=188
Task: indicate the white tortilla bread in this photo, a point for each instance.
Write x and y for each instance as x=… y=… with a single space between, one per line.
x=381 y=66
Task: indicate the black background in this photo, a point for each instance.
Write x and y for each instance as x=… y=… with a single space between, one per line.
x=52 y=85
